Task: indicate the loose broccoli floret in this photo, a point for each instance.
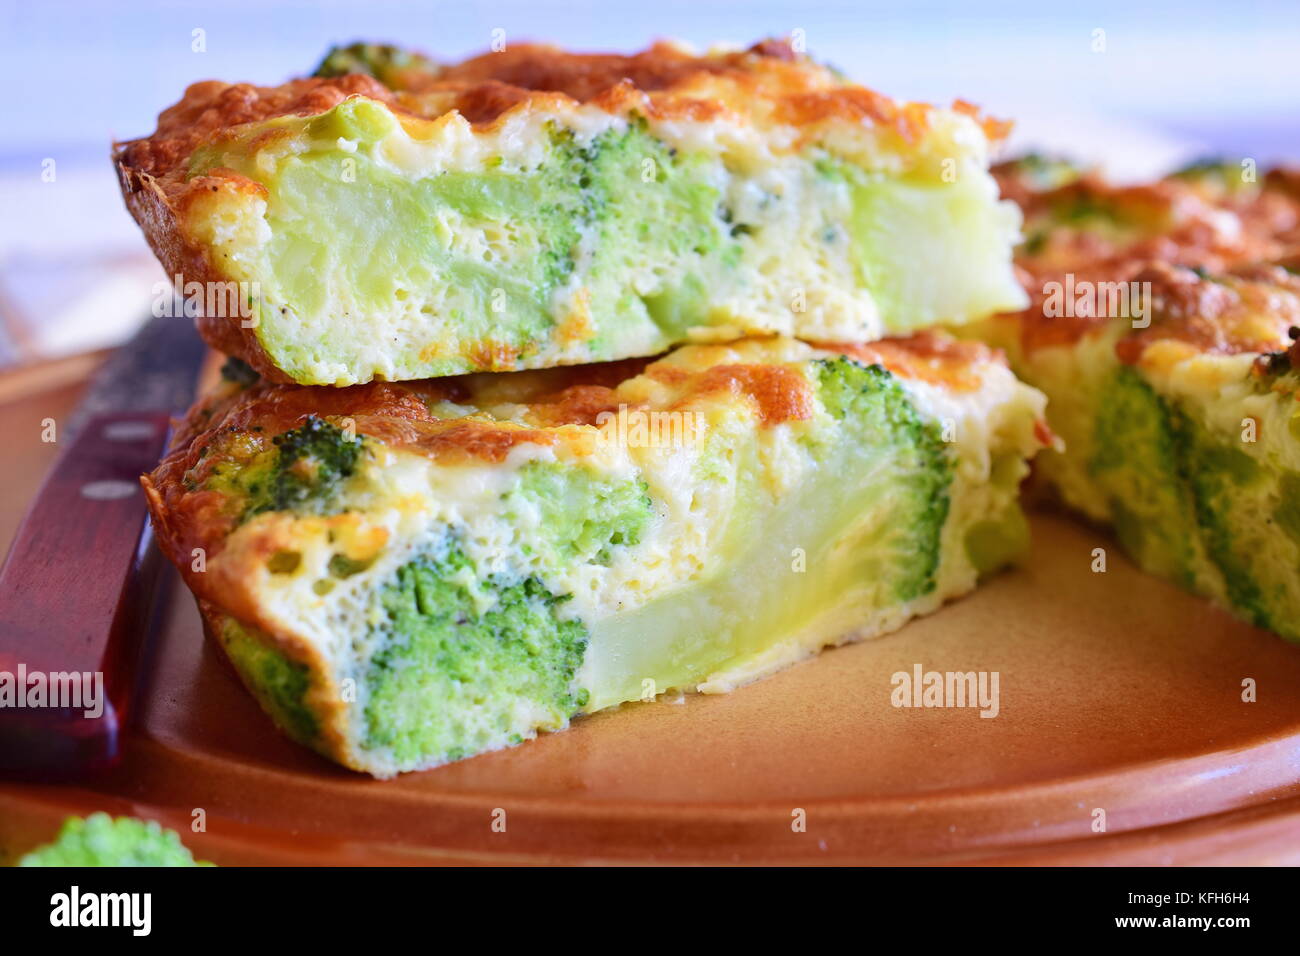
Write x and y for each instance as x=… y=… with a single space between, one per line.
x=100 y=840
x=914 y=465
x=582 y=515
x=388 y=64
x=467 y=664
x=305 y=469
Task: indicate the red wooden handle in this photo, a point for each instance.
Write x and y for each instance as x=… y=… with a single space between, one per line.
x=74 y=600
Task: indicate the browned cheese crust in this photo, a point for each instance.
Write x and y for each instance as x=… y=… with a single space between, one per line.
x=1214 y=259
x=767 y=83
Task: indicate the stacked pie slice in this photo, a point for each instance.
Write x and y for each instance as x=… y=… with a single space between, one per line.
x=559 y=381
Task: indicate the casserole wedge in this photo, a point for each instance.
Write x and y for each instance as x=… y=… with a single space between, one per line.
x=407 y=574
x=1166 y=348
x=533 y=208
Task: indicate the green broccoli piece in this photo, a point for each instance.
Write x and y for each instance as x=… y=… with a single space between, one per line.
x=914 y=466
x=1221 y=479
x=1041 y=171
x=645 y=202
x=309 y=464
x=1138 y=464
x=239 y=372
x=385 y=62
x=1195 y=507
x=1222 y=176
x=1287 y=512
x=466 y=664
x=100 y=840
x=583 y=515
x=279 y=683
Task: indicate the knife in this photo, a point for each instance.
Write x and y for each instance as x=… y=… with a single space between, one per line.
x=77 y=588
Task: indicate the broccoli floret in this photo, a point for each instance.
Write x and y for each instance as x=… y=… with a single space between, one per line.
x=306 y=468
x=1193 y=506
x=387 y=63
x=239 y=372
x=648 y=203
x=1137 y=463
x=100 y=840
x=1287 y=513
x=1083 y=208
x=467 y=664
x=582 y=515
x=1221 y=479
x=914 y=465
x=280 y=684
x=1219 y=176
x=1041 y=172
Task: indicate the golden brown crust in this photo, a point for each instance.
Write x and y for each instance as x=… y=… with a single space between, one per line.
x=1198 y=249
x=779 y=393
x=1153 y=222
x=665 y=81
x=928 y=357
x=674 y=82
x=158 y=219
x=211 y=107
x=1227 y=316
x=1268 y=208
x=585 y=76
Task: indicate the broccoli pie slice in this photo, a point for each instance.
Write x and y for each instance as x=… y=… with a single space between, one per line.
x=407 y=574
x=1166 y=353
x=533 y=208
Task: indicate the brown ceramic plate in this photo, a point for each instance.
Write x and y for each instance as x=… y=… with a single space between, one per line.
x=1117 y=694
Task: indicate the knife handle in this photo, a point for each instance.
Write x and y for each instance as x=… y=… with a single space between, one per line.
x=75 y=594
